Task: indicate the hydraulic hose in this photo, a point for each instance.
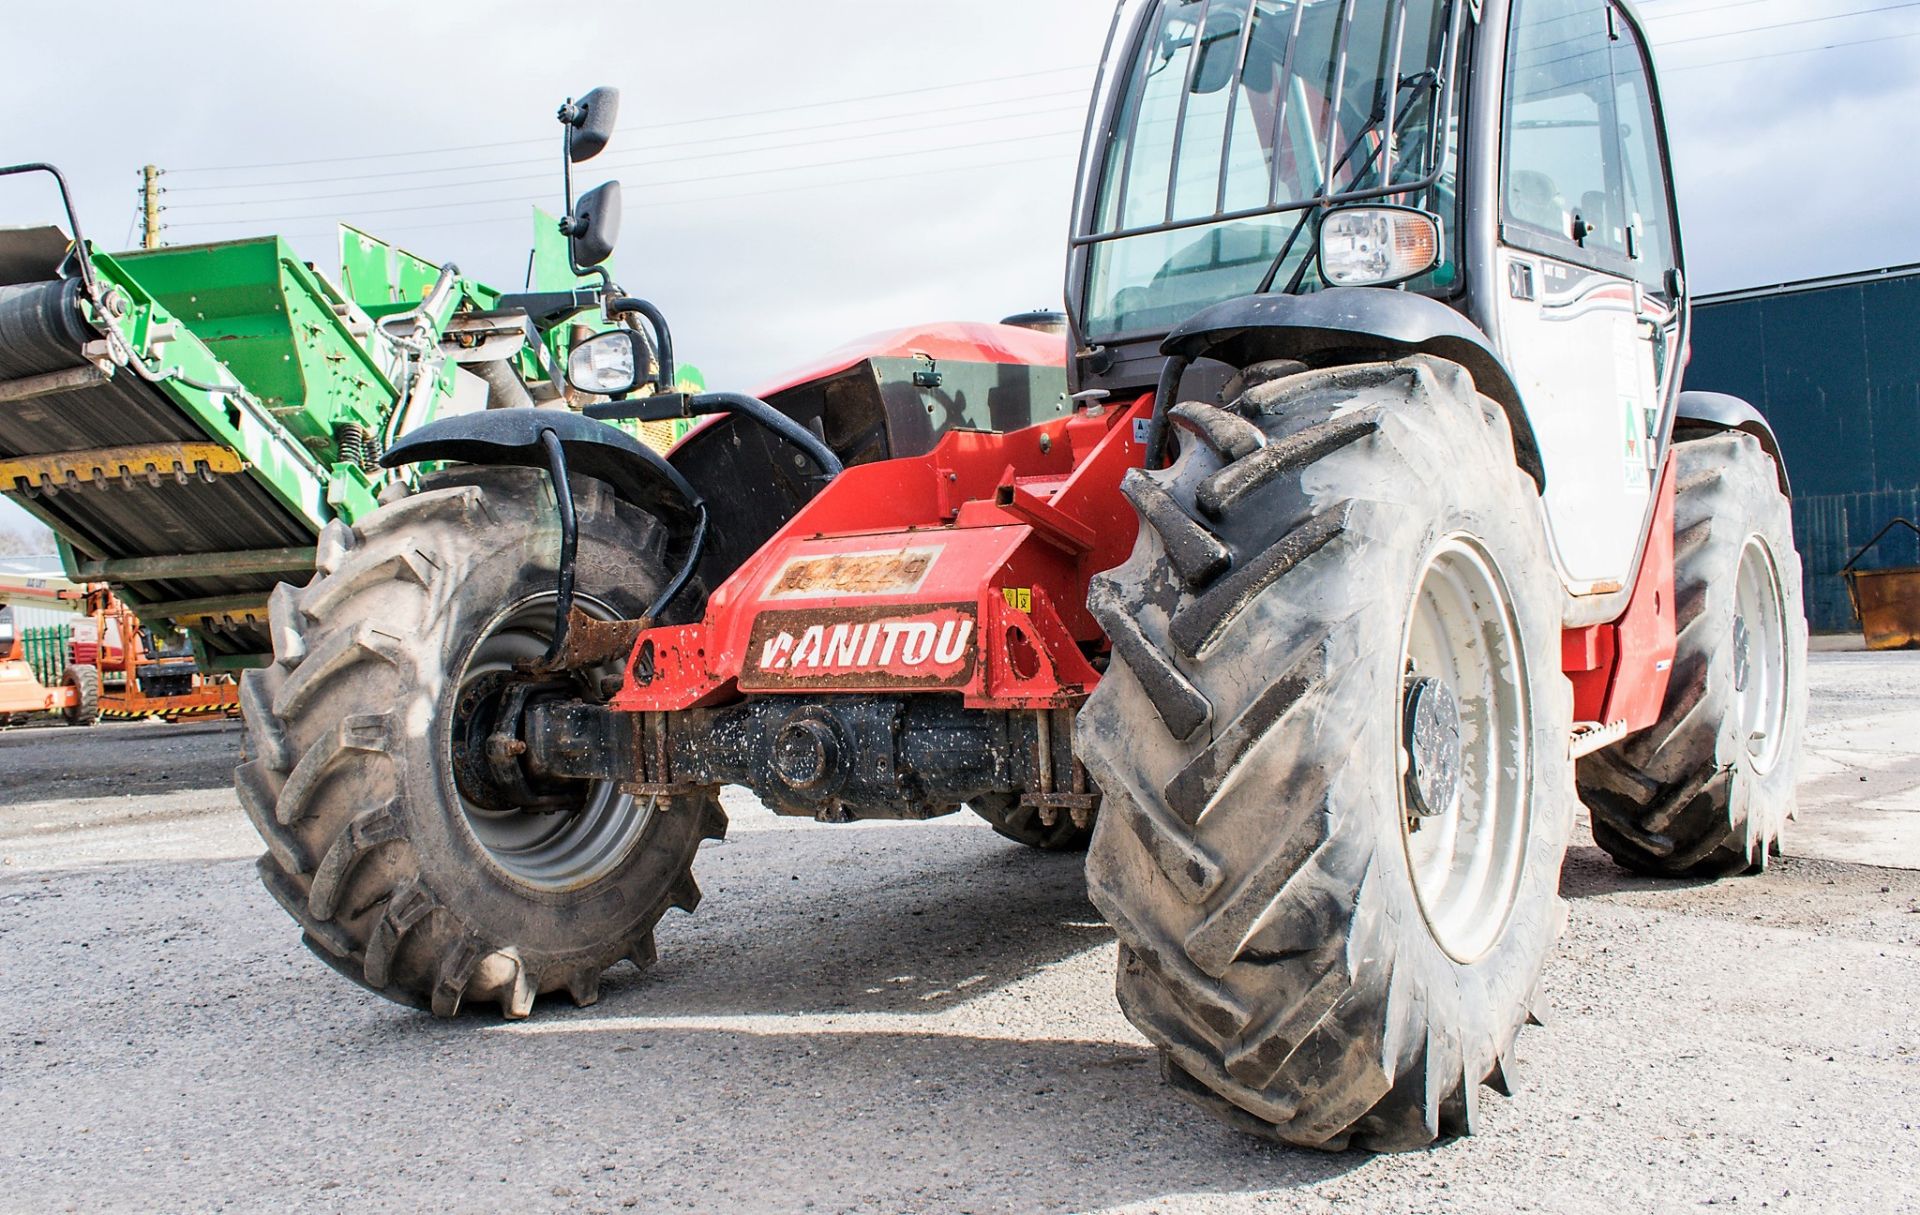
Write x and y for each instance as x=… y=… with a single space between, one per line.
x=771 y=418
x=662 y=337
x=673 y=405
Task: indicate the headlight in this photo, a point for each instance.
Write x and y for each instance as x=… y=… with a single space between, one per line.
x=607 y=364
x=1377 y=246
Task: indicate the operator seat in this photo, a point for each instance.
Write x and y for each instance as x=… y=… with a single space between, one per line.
x=1534 y=200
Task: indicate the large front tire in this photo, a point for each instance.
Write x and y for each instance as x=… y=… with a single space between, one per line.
x=1317 y=959
x=1708 y=789
x=402 y=876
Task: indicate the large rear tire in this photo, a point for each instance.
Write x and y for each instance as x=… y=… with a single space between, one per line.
x=1708 y=789
x=1317 y=958
x=403 y=875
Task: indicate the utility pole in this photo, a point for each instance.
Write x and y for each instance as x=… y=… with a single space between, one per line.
x=150 y=207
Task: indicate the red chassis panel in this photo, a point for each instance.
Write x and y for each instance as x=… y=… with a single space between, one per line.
x=963 y=570
x=966 y=570
x=1620 y=670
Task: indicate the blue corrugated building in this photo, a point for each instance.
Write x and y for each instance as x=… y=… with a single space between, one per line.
x=1834 y=363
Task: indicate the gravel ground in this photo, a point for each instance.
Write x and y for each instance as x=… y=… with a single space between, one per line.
x=913 y=1018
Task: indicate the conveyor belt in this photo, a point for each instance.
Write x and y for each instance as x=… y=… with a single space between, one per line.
x=41 y=330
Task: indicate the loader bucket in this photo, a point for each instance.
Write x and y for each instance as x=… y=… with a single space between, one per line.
x=1886 y=600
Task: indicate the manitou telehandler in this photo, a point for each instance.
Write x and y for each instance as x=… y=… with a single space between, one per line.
x=1357 y=534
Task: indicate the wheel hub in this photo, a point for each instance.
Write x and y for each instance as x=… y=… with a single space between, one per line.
x=547 y=834
x=1760 y=676
x=1433 y=748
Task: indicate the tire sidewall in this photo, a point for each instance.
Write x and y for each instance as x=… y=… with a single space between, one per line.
x=1273 y=941
x=1492 y=504
x=1759 y=800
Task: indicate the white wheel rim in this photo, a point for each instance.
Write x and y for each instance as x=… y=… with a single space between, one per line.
x=1759 y=657
x=1466 y=860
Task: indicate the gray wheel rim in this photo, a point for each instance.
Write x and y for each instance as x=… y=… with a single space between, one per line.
x=1466 y=860
x=1759 y=657
x=559 y=851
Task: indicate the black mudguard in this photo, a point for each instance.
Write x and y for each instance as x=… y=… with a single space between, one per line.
x=633 y=470
x=1350 y=324
x=1716 y=411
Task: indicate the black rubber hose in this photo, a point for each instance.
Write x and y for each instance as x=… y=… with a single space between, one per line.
x=1163 y=403
x=771 y=418
x=569 y=542
x=695 y=548
x=662 y=337
x=674 y=405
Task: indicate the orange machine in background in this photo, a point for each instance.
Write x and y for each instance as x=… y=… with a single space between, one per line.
x=111 y=665
x=140 y=675
x=76 y=696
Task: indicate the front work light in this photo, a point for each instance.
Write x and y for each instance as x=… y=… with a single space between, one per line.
x=608 y=364
x=1377 y=246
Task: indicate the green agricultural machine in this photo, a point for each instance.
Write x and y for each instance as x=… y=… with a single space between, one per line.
x=187 y=419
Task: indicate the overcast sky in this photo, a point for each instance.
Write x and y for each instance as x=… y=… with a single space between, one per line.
x=800 y=173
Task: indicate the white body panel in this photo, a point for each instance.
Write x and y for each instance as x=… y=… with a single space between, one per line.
x=1582 y=353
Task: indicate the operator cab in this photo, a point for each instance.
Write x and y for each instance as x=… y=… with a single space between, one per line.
x=1222 y=136
x=1503 y=159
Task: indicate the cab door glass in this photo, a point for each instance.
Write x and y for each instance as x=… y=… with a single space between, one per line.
x=1648 y=216
x=1560 y=183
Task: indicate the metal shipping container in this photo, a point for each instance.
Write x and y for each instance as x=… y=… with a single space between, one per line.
x=1834 y=363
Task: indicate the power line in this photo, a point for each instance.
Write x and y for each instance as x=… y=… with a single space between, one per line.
x=486 y=181
x=700 y=142
x=785 y=109
x=1804 y=50
x=1711 y=8
x=701 y=200
x=652 y=185
x=1761 y=29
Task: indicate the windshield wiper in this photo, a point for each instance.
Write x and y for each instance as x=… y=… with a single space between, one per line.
x=1425 y=81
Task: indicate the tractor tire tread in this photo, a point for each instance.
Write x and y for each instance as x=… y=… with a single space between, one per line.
x=1239 y=960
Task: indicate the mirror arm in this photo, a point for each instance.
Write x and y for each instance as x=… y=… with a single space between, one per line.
x=566 y=194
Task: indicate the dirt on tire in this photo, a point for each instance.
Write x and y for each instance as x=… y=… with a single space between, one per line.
x=1245 y=742
x=370 y=845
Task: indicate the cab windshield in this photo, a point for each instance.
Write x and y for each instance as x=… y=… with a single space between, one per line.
x=1237 y=117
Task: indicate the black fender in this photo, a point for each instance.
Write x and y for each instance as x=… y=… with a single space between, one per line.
x=1716 y=412
x=511 y=437
x=1351 y=324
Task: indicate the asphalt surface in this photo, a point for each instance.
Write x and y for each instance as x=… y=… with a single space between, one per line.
x=913 y=1018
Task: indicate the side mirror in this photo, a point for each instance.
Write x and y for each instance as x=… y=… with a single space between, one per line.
x=594 y=227
x=609 y=364
x=1219 y=51
x=590 y=123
